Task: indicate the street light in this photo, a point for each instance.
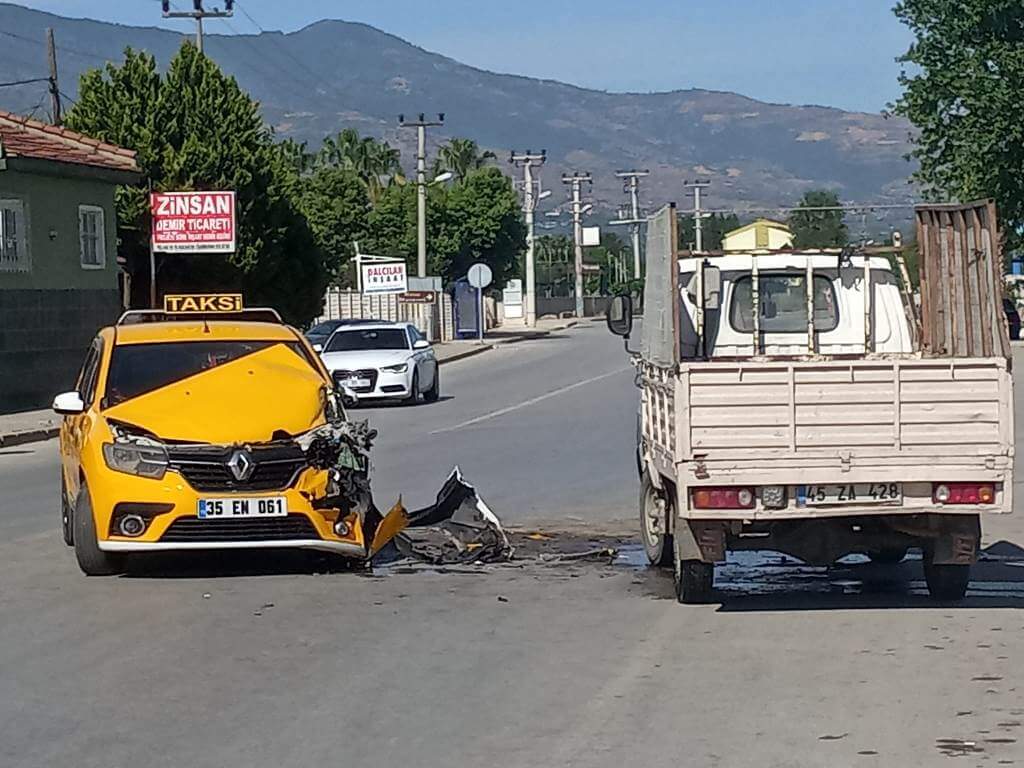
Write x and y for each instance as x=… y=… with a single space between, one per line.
x=544 y=195
x=443 y=177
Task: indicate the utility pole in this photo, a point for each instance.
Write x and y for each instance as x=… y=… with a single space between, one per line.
x=631 y=186
x=527 y=161
x=51 y=54
x=698 y=218
x=576 y=181
x=421 y=126
x=198 y=13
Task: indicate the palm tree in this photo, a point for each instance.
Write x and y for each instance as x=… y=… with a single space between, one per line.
x=295 y=154
x=377 y=163
x=461 y=157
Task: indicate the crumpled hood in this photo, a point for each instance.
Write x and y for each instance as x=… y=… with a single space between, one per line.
x=374 y=358
x=243 y=401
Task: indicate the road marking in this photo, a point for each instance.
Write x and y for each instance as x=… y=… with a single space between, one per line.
x=531 y=401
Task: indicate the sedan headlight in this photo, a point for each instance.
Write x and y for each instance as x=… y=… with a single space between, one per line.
x=133 y=459
x=400 y=368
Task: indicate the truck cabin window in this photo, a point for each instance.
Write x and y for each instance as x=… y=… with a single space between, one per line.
x=783 y=304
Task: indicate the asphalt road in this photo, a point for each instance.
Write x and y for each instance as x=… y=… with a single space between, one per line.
x=248 y=663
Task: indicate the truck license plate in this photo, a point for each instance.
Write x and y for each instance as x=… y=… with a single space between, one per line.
x=854 y=493
x=266 y=506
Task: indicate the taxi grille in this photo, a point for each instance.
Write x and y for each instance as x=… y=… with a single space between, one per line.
x=363 y=373
x=206 y=467
x=194 y=529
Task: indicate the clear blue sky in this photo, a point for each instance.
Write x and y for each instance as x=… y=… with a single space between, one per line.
x=834 y=52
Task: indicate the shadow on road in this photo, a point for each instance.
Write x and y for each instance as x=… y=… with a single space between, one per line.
x=762 y=581
x=228 y=564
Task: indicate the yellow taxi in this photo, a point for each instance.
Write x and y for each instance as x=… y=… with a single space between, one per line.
x=207 y=426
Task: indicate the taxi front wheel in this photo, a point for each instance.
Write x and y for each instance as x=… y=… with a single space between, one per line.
x=91 y=559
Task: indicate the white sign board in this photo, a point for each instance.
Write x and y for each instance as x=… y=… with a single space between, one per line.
x=386 y=277
x=193 y=222
x=479 y=275
x=512 y=298
x=591 y=236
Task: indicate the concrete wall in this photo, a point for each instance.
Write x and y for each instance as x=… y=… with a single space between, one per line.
x=564 y=306
x=43 y=338
x=49 y=314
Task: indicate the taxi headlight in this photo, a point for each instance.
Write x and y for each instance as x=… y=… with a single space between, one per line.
x=142 y=460
x=400 y=368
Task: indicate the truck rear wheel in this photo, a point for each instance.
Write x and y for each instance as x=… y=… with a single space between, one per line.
x=694 y=581
x=655 y=511
x=946 y=582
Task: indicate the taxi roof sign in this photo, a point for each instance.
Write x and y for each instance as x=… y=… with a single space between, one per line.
x=203 y=303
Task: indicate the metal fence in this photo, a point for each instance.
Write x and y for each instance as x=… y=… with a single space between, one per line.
x=435 y=321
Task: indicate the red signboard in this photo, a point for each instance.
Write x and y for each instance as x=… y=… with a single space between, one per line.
x=193 y=222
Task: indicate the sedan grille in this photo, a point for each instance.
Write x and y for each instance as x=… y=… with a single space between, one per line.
x=194 y=529
x=206 y=468
x=363 y=373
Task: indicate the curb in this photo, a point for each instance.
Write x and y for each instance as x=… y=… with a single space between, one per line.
x=31 y=436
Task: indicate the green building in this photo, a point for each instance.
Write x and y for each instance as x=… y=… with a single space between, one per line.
x=59 y=276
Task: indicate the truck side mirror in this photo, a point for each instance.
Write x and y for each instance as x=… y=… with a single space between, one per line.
x=620 y=315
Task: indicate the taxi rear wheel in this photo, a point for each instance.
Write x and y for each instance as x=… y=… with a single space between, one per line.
x=91 y=559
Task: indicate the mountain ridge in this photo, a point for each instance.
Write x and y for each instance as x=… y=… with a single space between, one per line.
x=333 y=74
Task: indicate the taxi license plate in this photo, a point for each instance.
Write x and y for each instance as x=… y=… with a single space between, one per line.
x=854 y=493
x=265 y=506
x=356 y=382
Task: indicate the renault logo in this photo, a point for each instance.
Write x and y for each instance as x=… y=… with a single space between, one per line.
x=241 y=465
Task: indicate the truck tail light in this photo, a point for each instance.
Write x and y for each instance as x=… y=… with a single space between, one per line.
x=723 y=498
x=963 y=493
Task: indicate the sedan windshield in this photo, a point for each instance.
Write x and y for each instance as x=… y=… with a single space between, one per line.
x=368 y=339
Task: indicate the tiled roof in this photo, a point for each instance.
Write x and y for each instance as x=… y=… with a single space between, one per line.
x=23 y=137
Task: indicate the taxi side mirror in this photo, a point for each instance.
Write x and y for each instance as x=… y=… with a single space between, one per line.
x=68 y=404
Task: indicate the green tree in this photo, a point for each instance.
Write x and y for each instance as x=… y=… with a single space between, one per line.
x=477 y=219
x=194 y=128
x=816 y=228
x=377 y=163
x=461 y=157
x=962 y=92
x=481 y=221
x=714 y=228
x=297 y=156
x=336 y=205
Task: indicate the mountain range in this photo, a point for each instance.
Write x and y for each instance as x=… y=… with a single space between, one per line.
x=336 y=74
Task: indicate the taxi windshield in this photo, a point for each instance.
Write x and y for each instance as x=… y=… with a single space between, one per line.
x=136 y=369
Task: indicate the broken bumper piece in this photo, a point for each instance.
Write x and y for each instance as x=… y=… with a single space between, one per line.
x=458 y=528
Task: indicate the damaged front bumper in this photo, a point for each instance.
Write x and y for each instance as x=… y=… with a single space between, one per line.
x=325 y=490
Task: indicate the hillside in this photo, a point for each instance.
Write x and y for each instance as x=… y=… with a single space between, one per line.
x=334 y=74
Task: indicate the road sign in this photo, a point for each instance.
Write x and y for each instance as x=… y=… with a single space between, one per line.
x=417 y=297
x=193 y=222
x=591 y=236
x=479 y=275
x=383 y=277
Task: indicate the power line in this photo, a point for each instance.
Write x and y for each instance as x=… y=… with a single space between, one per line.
x=63 y=48
x=280 y=45
x=25 y=82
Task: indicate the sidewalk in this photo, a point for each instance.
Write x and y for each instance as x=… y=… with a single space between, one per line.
x=33 y=426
